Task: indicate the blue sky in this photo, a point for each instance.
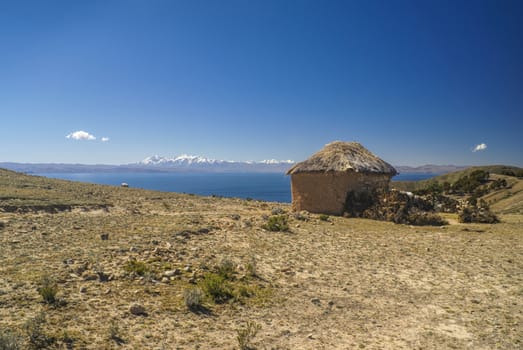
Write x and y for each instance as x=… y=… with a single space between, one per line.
x=416 y=82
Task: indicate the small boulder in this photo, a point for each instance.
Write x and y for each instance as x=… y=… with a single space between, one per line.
x=171 y=273
x=137 y=309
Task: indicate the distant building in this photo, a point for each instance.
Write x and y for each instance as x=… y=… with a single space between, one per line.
x=325 y=182
x=124 y=184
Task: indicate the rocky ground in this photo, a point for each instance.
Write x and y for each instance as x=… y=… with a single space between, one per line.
x=121 y=270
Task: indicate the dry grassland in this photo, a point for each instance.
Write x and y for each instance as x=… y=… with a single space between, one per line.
x=334 y=284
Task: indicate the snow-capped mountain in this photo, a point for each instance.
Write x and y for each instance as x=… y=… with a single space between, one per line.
x=183 y=159
x=199 y=163
x=186 y=159
x=274 y=161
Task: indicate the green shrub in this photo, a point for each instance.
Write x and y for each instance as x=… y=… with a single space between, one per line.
x=193 y=298
x=324 y=217
x=48 y=290
x=497 y=184
x=470 y=183
x=138 y=267
x=245 y=335
x=277 y=223
x=216 y=287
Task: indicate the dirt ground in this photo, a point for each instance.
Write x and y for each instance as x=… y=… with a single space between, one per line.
x=335 y=284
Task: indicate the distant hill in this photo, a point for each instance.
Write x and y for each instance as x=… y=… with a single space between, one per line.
x=188 y=163
x=429 y=169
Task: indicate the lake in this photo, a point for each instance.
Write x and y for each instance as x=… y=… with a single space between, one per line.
x=267 y=187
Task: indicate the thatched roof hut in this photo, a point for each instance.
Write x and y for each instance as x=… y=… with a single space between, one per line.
x=324 y=182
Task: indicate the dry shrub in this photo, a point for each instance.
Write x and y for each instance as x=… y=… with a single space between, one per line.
x=193 y=298
x=245 y=335
x=477 y=215
x=394 y=206
x=10 y=340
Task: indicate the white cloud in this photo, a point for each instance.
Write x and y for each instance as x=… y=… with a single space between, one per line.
x=480 y=147
x=105 y=139
x=81 y=135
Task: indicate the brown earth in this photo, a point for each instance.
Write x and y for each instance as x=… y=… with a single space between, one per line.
x=335 y=284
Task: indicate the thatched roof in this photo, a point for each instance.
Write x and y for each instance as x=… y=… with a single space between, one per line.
x=343 y=157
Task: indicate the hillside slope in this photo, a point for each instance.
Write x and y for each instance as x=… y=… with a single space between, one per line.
x=503 y=201
x=507 y=201
x=123 y=275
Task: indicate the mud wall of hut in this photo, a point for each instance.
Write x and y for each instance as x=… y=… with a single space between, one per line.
x=327 y=192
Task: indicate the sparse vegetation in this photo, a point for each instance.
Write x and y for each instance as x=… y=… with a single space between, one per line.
x=193 y=298
x=474 y=214
x=226 y=269
x=339 y=265
x=216 y=287
x=246 y=334
x=37 y=336
x=395 y=206
x=277 y=223
x=324 y=217
x=139 y=268
x=67 y=339
x=425 y=219
x=10 y=340
x=251 y=267
x=48 y=290
x=115 y=333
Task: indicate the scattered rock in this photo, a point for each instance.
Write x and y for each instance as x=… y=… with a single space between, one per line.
x=83 y=289
x=102 y=276
x=104 y=236
x=171 y=273
x=316 y=301
x=89 y=276
x=277 y=211
x=302 y=215
x=137 y=309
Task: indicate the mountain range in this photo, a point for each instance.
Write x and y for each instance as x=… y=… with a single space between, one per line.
x=192 y=163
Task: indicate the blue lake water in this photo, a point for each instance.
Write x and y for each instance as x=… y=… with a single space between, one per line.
x=266 y=187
